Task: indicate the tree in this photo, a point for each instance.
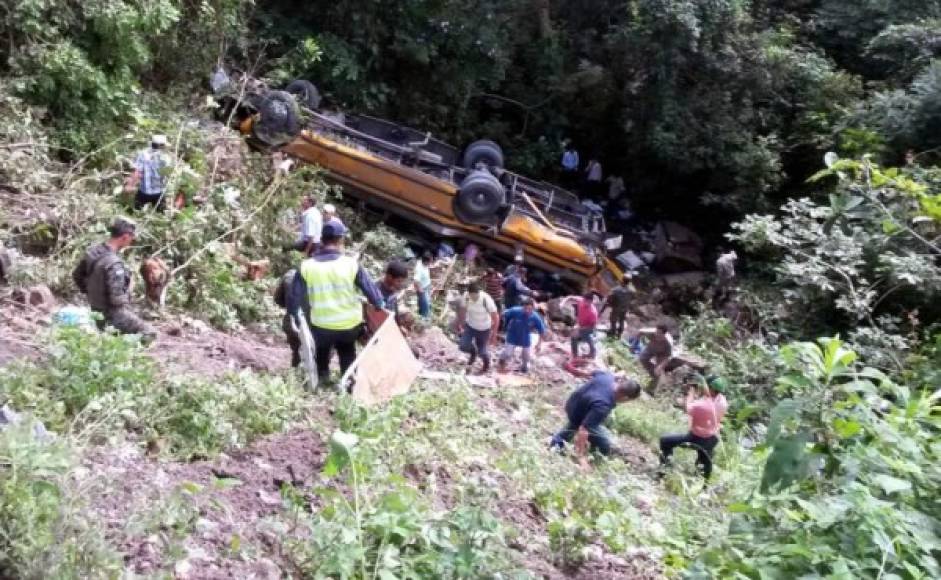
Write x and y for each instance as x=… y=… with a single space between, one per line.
x=876 y=238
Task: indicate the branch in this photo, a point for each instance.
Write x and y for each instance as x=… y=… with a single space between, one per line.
x=269 y=194
x=874 y=199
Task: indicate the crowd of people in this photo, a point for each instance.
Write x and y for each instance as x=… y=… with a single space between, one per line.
x=326 y=292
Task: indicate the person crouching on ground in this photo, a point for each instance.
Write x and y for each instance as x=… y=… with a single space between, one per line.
x=657 y=354
x=477 y=323
x=327 y=291
x=520 y=322
x=588 y=408
x=705 y=410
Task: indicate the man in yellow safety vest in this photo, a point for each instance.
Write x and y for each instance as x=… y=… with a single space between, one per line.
x=327 y=289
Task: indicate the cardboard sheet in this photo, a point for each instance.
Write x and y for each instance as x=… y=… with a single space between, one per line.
x=385 y=368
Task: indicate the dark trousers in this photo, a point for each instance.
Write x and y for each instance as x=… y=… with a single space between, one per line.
x=704 y=447
x=474 y=342
x=618 y=319
x=584 y=335
x=647 y=358
x=344 y=341
x=142 y=199
x=597 y=440
x=294 y=341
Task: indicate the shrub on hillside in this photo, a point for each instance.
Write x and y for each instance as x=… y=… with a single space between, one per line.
x=45 y=532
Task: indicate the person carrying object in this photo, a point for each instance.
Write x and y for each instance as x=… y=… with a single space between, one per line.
x=327 y=291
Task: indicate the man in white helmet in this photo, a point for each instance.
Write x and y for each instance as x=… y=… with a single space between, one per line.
x=149 y=178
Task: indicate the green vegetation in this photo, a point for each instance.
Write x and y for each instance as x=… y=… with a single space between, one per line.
x=850 y=487
x=93 y=384
x=46 y=533
x=716 y=113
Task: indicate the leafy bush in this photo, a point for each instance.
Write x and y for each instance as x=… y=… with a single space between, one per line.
x=387 y=531
x=95 y=383
x=80 y=61
x=839 y=262
x=45 y=534
x=89 y=378
x=850 y=488
x=200 y=418
x=747 y=363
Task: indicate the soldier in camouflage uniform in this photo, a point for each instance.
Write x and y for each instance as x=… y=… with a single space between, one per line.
x=104 y=278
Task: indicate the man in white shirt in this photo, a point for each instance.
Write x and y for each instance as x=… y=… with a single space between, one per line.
x=593 y=177
x=311 y=226
x=422 y=283
x=149 y=180
x=477 y=321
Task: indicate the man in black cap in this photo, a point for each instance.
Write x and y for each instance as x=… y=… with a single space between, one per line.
x=327 y=289
x=105 y=279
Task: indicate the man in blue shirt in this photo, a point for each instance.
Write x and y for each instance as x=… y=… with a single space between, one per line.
x=570 y=164
x=520 y=322
x=589 y=407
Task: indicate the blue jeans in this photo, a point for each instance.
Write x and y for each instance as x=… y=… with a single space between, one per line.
x=598 y=439
x=509 y=351
x=424 y=304
x=584 y=335
x=474 y=342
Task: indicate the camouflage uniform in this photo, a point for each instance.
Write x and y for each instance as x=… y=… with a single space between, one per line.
x=104 y=278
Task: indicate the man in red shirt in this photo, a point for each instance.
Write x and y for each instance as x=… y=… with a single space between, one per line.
x=586 y=317
x=493 y=285
x=705 y=417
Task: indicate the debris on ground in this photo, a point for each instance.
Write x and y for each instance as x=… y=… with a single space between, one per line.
x=38 y=296
x=373 y=379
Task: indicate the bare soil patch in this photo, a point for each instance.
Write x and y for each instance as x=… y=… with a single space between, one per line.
x=226 y=529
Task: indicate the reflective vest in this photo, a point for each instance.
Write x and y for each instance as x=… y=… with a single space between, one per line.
x=332 y=293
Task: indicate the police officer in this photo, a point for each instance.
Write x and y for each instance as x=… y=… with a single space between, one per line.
x=327 y=290
x=105 y=279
